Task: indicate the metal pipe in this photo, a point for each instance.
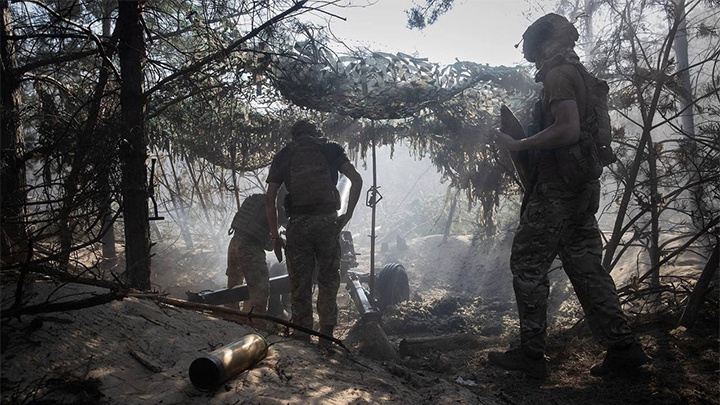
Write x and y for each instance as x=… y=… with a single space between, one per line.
x=372 y=225
x=360 y=298
x=214 y=368
x=278 y=285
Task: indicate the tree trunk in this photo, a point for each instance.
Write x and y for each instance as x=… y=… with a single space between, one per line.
x=133 y=153
x=654 y=212
x=451 y=215
x=13 y=241
x=687 y=117
x=680 y=46
x=73 y=182
x=108 y=236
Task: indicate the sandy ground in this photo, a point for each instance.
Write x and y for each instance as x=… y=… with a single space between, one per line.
x=91 y=355
x=84 y=356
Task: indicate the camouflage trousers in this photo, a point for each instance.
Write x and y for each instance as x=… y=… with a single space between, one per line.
x=246 y=261
x=559 y=220
x=313 y=242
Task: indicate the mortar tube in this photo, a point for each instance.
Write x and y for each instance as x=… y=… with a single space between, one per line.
x=216 y=367
x=360 y=298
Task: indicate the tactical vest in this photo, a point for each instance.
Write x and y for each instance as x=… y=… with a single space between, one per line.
x=309 y=181
x=251 y=220
x=584 y=161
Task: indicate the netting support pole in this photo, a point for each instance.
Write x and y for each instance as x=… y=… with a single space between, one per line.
x=372 y=228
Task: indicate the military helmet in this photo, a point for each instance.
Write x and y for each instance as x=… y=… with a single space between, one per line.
x=304 y=128
x=551 y=32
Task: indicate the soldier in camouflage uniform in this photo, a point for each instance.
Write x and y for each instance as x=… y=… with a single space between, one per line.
x=558 y=217
x=246 y=263
x=309 y=167
x=246 y=260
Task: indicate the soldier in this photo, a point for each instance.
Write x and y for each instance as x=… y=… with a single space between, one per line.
x=558 y=215
x=246 y=259
x=309 y=167
x=246 y=253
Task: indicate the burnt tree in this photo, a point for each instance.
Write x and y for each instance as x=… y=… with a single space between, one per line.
x=12 y=166
x=133 y=153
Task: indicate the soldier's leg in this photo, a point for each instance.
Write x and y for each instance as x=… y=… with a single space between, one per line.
x=533 y=251
x=300 y=264
x=594 y=287
x=233 y=272
x=534 y=248
x=257 y=276
x=328 y=267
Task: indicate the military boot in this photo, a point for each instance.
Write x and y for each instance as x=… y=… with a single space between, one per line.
x=326 y=330
x=622 y=360
x=517 y=360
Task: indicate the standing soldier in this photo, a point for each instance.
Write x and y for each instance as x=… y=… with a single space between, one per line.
x=309 y=167
x=558 y=213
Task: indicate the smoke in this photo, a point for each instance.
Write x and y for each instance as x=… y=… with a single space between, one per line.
x=407 y=184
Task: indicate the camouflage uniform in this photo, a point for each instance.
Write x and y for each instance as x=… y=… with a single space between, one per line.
x=312 y=240
x=246 y=260
x=559 y=219
x=309 y=166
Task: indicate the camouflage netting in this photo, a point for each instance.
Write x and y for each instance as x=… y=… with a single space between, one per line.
x=448 y=113
x=385 y=86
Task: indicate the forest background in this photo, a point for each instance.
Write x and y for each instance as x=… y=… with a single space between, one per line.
x=117 y=114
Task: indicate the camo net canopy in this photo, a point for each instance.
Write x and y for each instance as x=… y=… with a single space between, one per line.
x=386 y=86
x=447 y=113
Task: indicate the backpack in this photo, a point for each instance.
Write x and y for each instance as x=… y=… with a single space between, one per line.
x=584 y=160
x=597 y=115
x=251 y=220
x=310 y=181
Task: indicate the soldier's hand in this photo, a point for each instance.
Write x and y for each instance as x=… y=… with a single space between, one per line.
x=278 y=245
x=342 y=220
x=505 y=141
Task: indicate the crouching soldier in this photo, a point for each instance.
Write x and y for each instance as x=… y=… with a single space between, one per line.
x=309 y=167
x=246 y=260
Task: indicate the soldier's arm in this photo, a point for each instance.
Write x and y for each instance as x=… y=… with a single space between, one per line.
x=564 y=131
x=272 y=216
x=356 y=181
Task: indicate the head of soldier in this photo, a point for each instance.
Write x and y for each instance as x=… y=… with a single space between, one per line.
x=550 y=35
x=304 y=129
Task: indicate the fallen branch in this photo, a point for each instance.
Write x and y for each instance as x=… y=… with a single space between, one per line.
x=697 y=297
x=65 y=276
x=63 y=306
x=144 y=361
x=228 y=311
